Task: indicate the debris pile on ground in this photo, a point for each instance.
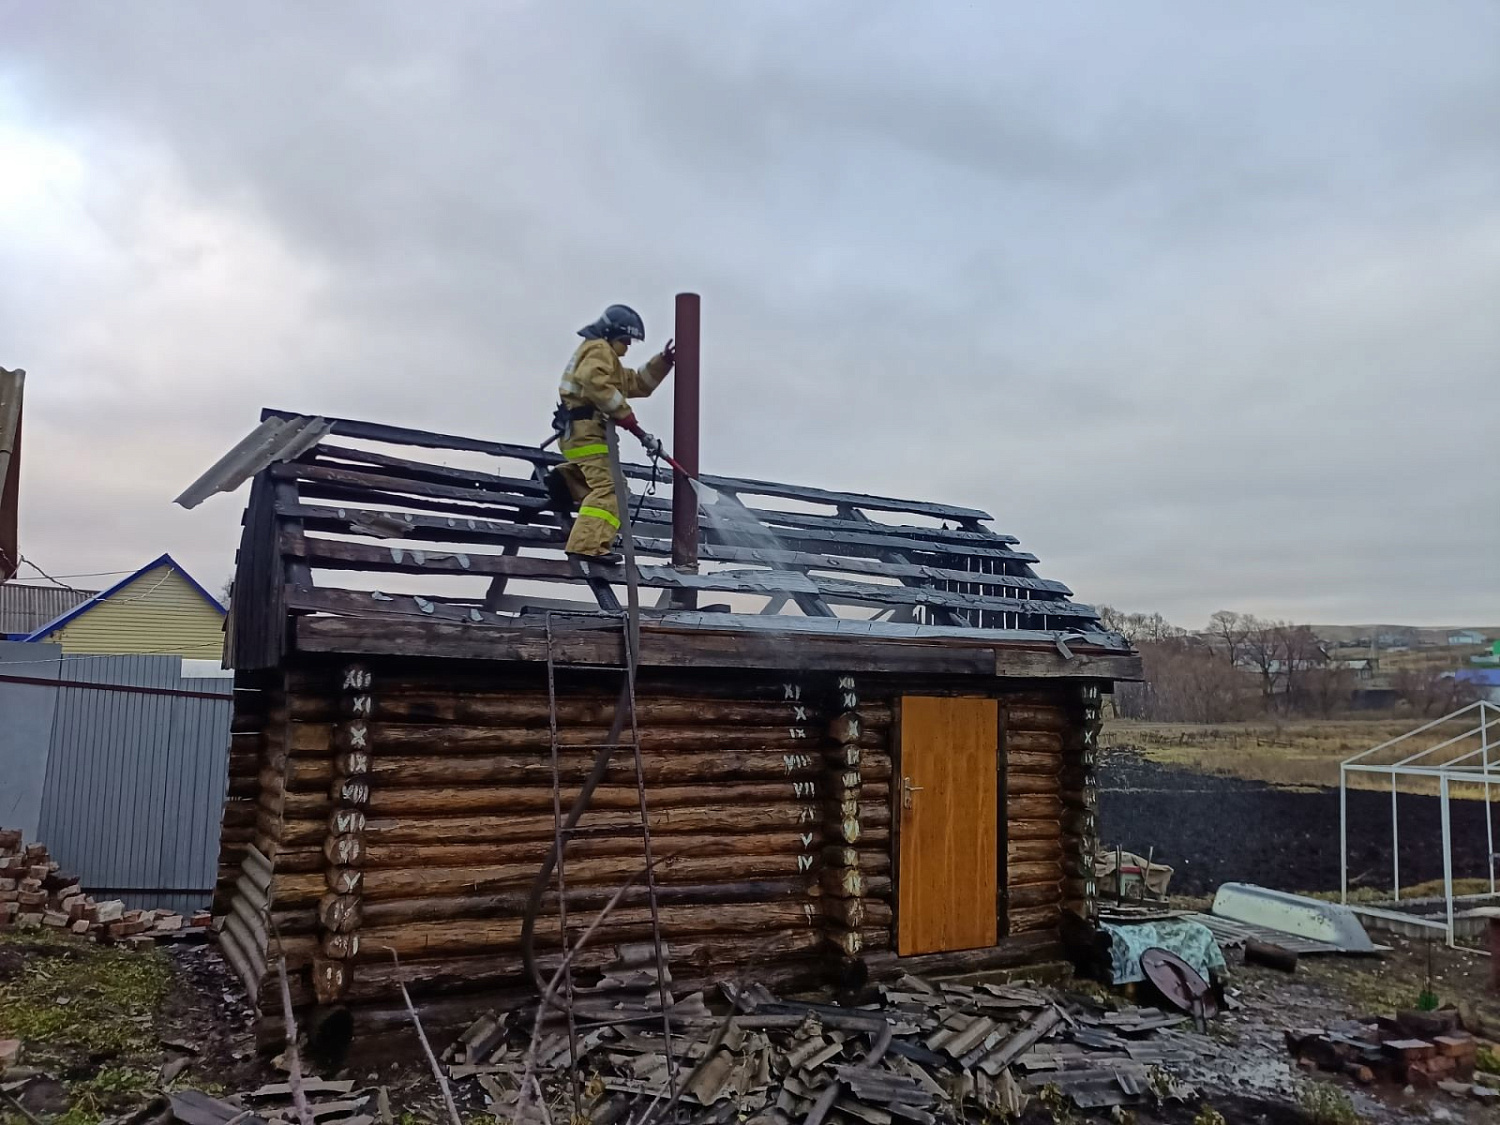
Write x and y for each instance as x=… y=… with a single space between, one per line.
x=914 y=1052
x=329 y=1103
x=1421 y=1049
x=35 y=893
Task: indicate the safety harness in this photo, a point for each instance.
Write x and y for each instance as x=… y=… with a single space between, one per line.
x=564 y=417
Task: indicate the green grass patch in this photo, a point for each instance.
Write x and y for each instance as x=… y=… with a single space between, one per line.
x=1324 y=1104
x=86 y=1014
x=112 y=1088
x=60 y=996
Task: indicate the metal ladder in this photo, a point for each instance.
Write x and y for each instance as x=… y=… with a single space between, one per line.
x=627 y=699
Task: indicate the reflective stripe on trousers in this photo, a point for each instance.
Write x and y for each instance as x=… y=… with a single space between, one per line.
x=600 y=514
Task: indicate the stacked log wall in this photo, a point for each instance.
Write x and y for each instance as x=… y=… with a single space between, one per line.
x=1035 y=730
x=237 y=824
x=1080 y=797
x=412 y=815
x=249 y=837
x=403 y=807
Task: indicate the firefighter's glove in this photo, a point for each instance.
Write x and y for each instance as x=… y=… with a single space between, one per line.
x=653 y=445
x=669 y=354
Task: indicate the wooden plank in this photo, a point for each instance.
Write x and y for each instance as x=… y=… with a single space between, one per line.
x=335 y=555
x=358 y=478
x=868 y=542
x=743 y=485
x=858 y=564
x=423 y=636
x=421 y=470
x=256 y=625
x=399 y=435
x=442 y=474
x=944 y=615
x=423 y=527
x=809 y=603
x=1011 y=952
x=407 y=504
x=948 y=858
x=779 y=519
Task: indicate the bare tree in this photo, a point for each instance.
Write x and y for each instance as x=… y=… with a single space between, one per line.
x=1328 y=687
x=1230 y=629
x=1191 y=683
x=1262 y=645
x=1432 y=693
x=1138 y=628
x=1185 y=679
x=1299 y=650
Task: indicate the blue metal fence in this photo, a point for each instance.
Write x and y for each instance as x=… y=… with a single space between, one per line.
x=136 y=770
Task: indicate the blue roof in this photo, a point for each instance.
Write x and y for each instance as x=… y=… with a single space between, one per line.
x=1490 y=677
x=79 y=610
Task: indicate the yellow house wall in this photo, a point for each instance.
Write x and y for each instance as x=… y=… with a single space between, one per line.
x=159 y=612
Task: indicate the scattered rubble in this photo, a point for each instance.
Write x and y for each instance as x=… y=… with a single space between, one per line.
x=330 y=1103
x=913 y=1052
x=36 y=894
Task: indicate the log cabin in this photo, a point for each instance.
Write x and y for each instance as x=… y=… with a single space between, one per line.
x=862 y=736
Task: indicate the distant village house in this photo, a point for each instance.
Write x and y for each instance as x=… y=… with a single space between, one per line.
x=159 y=609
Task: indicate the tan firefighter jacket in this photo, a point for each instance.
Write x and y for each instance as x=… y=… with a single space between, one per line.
x=596 y=377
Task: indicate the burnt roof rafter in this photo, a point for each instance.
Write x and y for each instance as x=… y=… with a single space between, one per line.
x=369 y=499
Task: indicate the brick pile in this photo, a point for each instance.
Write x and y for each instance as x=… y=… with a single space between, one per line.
x=35 y=893
x=1424 y=1050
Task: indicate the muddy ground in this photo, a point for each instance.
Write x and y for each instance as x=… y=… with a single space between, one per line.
x=1213 y=830
x=175 y=1018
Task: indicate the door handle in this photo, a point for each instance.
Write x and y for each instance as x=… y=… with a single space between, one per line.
x=907 y=789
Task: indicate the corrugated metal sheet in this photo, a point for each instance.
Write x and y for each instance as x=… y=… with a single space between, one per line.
x=1232 y=934
x=160 y=611
x=26 y=712
x=24 y=608
x=135 y=782
x=275 y=439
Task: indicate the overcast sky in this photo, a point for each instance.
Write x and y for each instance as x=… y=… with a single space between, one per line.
x=1202 y=301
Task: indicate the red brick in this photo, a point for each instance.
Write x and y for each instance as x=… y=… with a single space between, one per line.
x=1459 y=1046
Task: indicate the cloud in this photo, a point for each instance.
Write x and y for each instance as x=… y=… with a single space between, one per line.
x=1198 y=301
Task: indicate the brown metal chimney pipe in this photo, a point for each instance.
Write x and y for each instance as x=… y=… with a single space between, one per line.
x=685 y=434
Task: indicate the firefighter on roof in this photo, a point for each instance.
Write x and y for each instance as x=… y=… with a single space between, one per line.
x=596 y=389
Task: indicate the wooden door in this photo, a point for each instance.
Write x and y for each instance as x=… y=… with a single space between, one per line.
x=946 y=797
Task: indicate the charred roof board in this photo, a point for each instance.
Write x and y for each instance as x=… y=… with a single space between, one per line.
x=369 y=499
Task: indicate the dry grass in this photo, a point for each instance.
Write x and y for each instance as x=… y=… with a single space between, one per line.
x=1433 y=888
x=1301 y=753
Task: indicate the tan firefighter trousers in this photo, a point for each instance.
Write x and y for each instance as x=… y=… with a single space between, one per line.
x=597 y=521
